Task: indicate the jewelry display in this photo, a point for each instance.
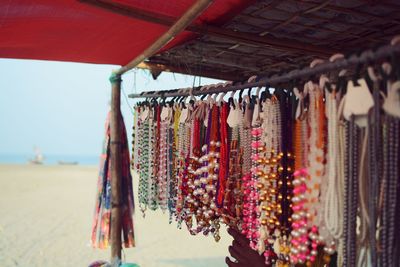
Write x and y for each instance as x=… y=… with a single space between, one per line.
x=308 y=176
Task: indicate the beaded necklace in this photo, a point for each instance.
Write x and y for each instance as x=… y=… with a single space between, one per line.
x=170 y=171
x=245 y=144
x=180 y=166
x=333 y=206
x=134 y=159
x=383 y=237
x=397 y=229
x=390 y=187
x=248 y=206
x=300 y=144
x=285 y=172
x=174 y=129
x=269 y=203
x=351 y=195
x=153 y=144
x=162 y=164
x=254 y=213
x=394 y=157
x=342 y=177
x=224 y=156
x=184 y=178
x=194 y=175
x=232 y=199
x=213 y=169
x=346 y=205
x=207 y=177
x=299 y=252
x=144 y=166
x=201 y=181
x=315 y=162
x=192 y=159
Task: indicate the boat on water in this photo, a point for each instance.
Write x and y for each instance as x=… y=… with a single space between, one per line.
x=61 y=162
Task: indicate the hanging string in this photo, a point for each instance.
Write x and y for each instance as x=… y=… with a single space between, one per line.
x=131 y=109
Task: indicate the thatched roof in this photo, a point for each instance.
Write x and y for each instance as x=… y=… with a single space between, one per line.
x=273 y=36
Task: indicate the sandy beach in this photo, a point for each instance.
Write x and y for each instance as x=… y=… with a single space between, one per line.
x=46 y=216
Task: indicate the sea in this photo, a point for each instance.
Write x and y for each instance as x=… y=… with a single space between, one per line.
x=50 y=159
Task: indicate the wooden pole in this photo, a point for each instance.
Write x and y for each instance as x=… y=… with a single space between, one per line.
x=115 y=130
x=115 y=156
x=190 y=15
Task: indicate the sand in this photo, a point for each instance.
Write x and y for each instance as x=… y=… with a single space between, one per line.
x=46 y=217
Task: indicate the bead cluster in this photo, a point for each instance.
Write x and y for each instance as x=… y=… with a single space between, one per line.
x=300 y=244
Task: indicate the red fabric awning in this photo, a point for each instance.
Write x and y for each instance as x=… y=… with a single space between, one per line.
x=68 y=30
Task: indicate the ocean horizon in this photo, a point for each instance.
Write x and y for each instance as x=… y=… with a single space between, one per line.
x=50 y=159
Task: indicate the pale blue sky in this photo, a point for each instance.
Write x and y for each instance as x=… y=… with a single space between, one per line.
x=61 y=106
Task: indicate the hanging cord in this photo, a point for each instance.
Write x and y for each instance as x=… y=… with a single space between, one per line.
x=134 y=81
x=194 y=82
x=126 y=100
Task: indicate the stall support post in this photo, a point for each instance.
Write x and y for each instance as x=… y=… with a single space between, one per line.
x=115 y=145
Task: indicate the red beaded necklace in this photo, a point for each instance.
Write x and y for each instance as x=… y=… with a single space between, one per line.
x=224 y=156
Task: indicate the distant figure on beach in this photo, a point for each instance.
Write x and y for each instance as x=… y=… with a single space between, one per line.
x=38 y=159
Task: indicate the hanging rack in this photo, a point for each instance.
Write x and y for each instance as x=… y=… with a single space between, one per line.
x=355 y=59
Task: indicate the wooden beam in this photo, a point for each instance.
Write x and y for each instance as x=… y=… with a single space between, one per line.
x=179 y=26
x=242 y=37
x=365 y=57
x=158 y=67
x=116 y=178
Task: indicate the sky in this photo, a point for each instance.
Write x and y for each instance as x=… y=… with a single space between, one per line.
x=61 y=107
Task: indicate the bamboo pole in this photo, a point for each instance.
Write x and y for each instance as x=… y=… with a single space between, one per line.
x=115 y=155
x=190 y=15
x=115 y=151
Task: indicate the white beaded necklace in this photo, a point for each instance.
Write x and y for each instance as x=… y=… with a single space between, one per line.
x=335 y=195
